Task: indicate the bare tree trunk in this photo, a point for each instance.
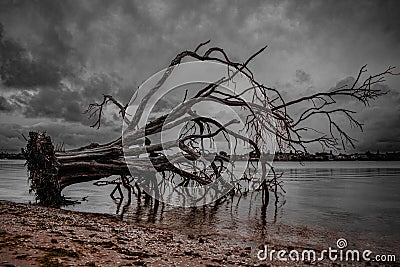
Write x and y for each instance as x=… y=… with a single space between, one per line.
x=51 y=171
x=90 y=163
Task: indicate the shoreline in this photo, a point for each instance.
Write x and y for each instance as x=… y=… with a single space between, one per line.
x=32 y=235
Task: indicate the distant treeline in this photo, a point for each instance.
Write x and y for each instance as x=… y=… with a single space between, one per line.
x=328 y=156
x=325 y=156
x=7 y=155
x=289 y=156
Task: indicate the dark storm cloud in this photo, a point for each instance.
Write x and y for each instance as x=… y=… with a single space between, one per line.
x=75 y=134
x=302 y=76
x=342 y=17
x=10 y=137
x=44 y=70
x=5 y=106
x=380 y=117
x=71 y=135
x=55 y=103
x=44 y=24
x=36 y=44
x=63 y=55
x=382 y=123
x=20 y=71
x=69 y=103
x=58 y=40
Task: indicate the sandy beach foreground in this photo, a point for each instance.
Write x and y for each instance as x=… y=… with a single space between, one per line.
x=31 y=235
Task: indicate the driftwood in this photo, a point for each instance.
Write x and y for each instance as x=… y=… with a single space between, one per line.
x=135 y=158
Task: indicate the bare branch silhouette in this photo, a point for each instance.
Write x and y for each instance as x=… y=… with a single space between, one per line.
x=267 y=115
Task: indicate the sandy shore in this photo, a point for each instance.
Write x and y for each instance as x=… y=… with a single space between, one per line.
x=31 y=235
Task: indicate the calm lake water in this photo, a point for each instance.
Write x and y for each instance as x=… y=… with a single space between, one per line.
x=359 y=197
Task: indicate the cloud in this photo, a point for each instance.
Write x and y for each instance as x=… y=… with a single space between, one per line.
x=55 y=103
x=5 y=106
x=69 y=134
x=75 y=134
x=381 y=123
x=342 y=17
x=59 y=56
x=69 y=102
x=380 y=118
x=10 y=137
x=20 y=71
x=302 y=77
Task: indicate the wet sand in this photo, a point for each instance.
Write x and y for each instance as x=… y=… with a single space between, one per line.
x=31 y=235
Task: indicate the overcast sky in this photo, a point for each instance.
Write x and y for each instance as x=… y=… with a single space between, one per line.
x=63 y=55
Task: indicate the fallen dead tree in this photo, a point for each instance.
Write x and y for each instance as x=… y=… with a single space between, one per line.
x=136 y=159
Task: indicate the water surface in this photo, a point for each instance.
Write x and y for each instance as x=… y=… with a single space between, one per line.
x=358 y=197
